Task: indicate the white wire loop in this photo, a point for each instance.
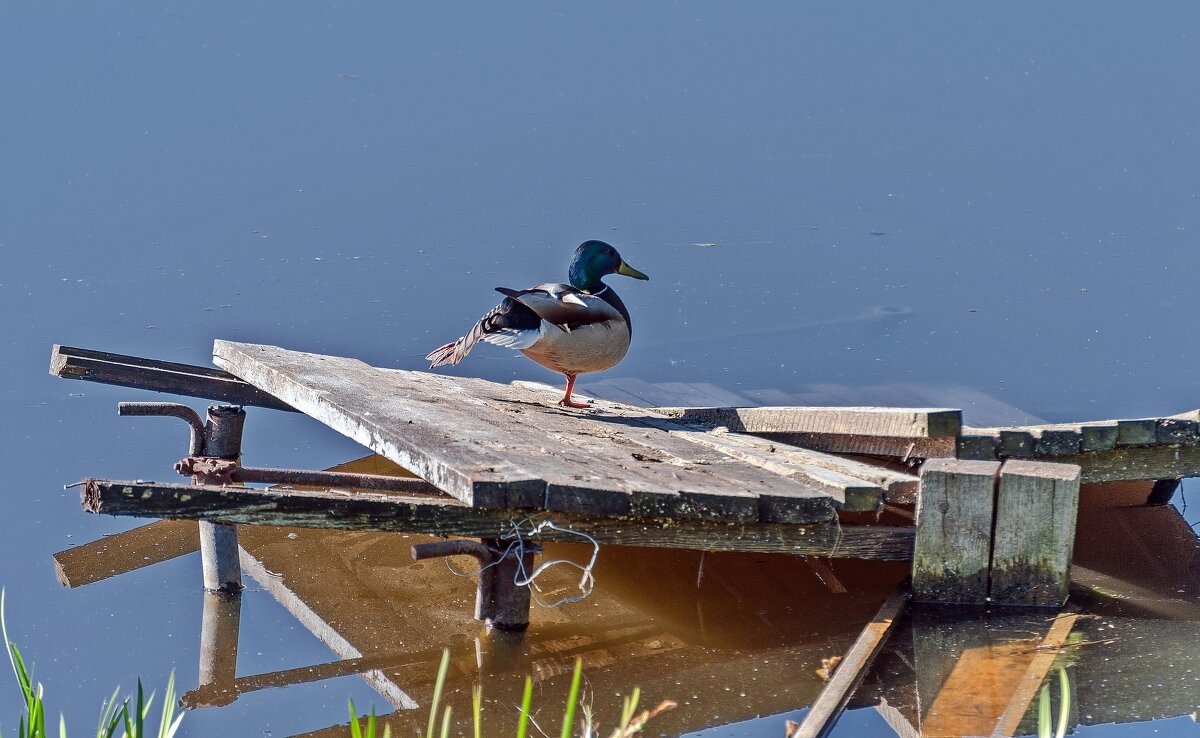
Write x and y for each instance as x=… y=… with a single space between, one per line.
x=517 y=533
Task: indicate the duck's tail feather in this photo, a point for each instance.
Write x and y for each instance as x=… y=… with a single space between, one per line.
x=509 y=324
x=450 y=353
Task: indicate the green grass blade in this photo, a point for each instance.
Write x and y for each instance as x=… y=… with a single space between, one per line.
x=355 y=730
x=108 y=716
x=168 y=725
x=371 y=724
x=477 y=708
x=443 y=669
x=62 y=726
x=629 y=708
x=526 y=702
x=446 y=722
x=1044 y=712
x=572 y=698
x=129 y=729
x=1064 y=702
x=4 y=630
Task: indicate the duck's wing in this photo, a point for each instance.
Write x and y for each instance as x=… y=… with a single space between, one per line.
x=563 y=306
x=509 y=324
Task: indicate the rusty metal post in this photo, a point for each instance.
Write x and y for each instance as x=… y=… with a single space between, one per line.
x=218 y=541
x=219 y=627
x=509 y=600
x=499 y=600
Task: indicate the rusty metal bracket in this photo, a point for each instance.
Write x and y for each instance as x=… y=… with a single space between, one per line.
x=169 y=410
x=214 y=443
x=499 y=600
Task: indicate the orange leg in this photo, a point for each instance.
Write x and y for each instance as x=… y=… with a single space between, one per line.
x=566 y=400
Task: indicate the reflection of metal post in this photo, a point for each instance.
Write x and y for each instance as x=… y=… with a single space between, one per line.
x=218 y=646
x=218 y=541
x=499 y=601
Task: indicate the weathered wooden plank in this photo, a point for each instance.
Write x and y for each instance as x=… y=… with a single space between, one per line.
x=120 y=370
x=1036 y=508
x=1098 y=436
x=690 y=489
x=867 y=421
x=1064 y=439
x=1177 y=431
x=506 y=446
x=1016 y=443
x=977 y=447
x=897 y=485
x=712 y=485
x=899 y=447
x=125 y=552
x=430 y=426
x=954 y=531
x=860 y=485
x=1128 y=463
x=1056 y=442
x=1071 y=438
x=369 y=511
x=853 y=667
x=1138 y=432
x=850 y=493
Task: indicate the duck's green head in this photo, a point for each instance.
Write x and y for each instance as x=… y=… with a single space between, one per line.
x=594 y=260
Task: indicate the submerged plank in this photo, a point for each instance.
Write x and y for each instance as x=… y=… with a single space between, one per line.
x=853 y=667
x=866 y=421
x=370 y=511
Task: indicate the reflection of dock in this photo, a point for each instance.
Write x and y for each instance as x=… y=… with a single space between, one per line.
x=650 y=626
x=655 y=620
x=986 y=514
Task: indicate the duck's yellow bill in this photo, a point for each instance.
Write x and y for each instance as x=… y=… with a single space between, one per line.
x=629 y=271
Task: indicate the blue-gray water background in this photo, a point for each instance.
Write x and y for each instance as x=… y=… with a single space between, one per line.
x=1023 y=181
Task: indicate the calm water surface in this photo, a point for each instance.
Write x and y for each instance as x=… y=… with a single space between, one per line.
x=1003 y=198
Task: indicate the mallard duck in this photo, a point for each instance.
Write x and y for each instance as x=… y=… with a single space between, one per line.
x=571 y=328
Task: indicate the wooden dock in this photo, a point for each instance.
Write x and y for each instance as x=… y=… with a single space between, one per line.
x=827 y=481
x=986 y=514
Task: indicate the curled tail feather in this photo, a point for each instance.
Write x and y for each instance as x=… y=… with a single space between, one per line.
x=447 y=354
x=456 y=351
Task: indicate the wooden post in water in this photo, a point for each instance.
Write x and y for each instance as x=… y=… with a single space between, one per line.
x=954 y=531
x=1036 y=507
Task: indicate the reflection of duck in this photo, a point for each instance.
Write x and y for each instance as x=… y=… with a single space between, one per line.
x=569 y=328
